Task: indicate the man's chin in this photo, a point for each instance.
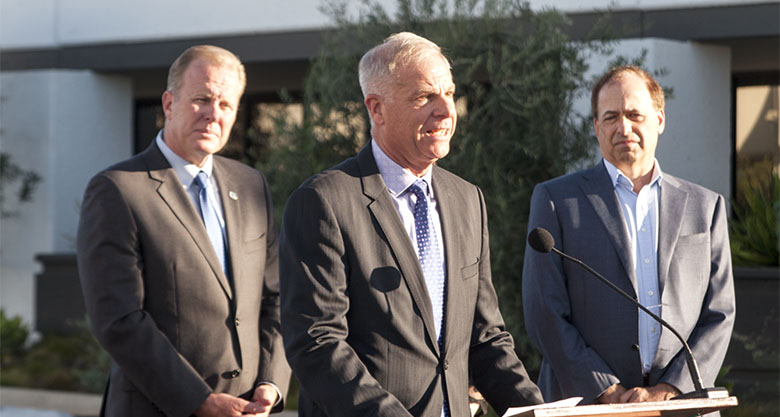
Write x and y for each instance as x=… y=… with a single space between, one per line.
x=442 y=150
x=210 y=144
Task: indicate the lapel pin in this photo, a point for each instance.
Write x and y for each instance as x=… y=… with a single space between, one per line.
x=233 y=195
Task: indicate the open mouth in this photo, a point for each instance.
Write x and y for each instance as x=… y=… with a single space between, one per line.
x=437 y=132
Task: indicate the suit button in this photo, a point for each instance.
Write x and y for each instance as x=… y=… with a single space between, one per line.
x=235 y=373
x=446 y=365
x=237 y=322
x=635 y=347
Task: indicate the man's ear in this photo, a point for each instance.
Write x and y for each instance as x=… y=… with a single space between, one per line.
x=167 y=103
x=375 y=108
x=661 y=121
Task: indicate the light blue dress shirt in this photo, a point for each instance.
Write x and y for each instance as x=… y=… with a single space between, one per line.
x=640 y=215
x=186 y=172
x=398 y=180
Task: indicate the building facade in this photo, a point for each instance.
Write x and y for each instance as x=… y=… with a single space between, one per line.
x=80 y=80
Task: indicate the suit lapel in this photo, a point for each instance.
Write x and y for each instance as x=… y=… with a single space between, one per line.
x=231 y=213
x=172 y=194
x=384 y=211
x=452 y=251
x=671 y=209
x=601 y=194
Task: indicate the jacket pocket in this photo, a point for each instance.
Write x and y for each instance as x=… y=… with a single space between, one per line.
x=470 y=271
x=254 y=244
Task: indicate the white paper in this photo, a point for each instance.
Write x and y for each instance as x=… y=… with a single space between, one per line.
x=568 y=402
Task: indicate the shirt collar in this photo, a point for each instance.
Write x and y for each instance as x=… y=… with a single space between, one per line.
x=617 y=177
x=397 y=178
x=185 y=171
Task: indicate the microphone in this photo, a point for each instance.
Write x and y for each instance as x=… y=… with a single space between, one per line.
x=542 y=241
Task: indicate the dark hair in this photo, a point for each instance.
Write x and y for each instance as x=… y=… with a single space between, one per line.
x=656 y=92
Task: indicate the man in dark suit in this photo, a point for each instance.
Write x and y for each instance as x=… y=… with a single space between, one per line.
x=657 y=237
x=387 y=303
x=177 y=253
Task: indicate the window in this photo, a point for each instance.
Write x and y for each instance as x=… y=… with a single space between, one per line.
x=757 y=131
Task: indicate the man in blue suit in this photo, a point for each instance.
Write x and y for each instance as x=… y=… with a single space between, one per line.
x=659 y=238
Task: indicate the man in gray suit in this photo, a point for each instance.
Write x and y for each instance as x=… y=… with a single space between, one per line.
x=655 y=236
x=388 y=305
x=177 y=253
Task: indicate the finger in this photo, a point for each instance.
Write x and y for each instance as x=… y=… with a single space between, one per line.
x=264 y=401
x=627 y=395
x=639 y=396
x=252 y=408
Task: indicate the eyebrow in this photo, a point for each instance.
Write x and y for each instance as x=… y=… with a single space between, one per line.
x=426 y=90
x=613 y=112
x=609 y=113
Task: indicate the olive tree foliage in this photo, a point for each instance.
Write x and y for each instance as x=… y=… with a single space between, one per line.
x=17 y=186
x=516 y=73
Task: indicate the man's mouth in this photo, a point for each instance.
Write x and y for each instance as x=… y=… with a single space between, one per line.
x=437 y=132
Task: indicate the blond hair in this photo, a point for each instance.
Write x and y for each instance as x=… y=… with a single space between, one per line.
x=210 y=54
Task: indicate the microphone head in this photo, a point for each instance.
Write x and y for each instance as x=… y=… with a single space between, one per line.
x=541 y=240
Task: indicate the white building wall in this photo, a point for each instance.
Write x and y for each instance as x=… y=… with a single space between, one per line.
x=28 y=23
x=64 y=125
x=49 y=23
x=696 y=144
x=25 y=106
x=69 y=124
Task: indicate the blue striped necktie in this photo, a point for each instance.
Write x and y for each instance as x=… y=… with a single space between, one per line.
x=431 y=261
x=208 y=213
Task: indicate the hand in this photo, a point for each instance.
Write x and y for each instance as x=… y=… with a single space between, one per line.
x=226 y=405
x=612 y=394
x=660 y=392
x=265 y=397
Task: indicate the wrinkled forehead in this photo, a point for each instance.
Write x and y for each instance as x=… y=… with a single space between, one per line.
x=626 y=91
x=431 y=69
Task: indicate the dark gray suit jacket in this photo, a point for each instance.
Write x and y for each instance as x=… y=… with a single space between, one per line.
x=158 y=301
x=356 y=316
x=587 y=334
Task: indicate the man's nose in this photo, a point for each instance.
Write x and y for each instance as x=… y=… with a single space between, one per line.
x=445 y=105
x=210 y=111
x=625 y=126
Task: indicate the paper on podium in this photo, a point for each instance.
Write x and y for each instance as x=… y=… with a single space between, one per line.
x=568 y=402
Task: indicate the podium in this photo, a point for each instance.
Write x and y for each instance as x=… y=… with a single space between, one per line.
x=672 y=408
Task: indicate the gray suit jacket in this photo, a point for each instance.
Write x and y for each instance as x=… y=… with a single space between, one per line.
x=357 y=320
x=158 y=301
x=587 y=334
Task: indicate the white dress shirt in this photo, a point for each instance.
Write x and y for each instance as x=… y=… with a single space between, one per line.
x=640 y=215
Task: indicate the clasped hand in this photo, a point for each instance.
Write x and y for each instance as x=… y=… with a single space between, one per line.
x=226 y=405
x=619 y=394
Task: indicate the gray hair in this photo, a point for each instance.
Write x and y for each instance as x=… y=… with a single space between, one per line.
x=210 y=54
x=377 y=69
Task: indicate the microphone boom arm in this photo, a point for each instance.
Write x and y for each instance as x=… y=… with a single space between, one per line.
x=693 y=368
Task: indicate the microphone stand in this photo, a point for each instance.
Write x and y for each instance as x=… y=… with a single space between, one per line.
x=699 y=390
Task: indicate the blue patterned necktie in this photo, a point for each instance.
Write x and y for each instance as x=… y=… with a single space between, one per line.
x=208 y=213
x=431 y=260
